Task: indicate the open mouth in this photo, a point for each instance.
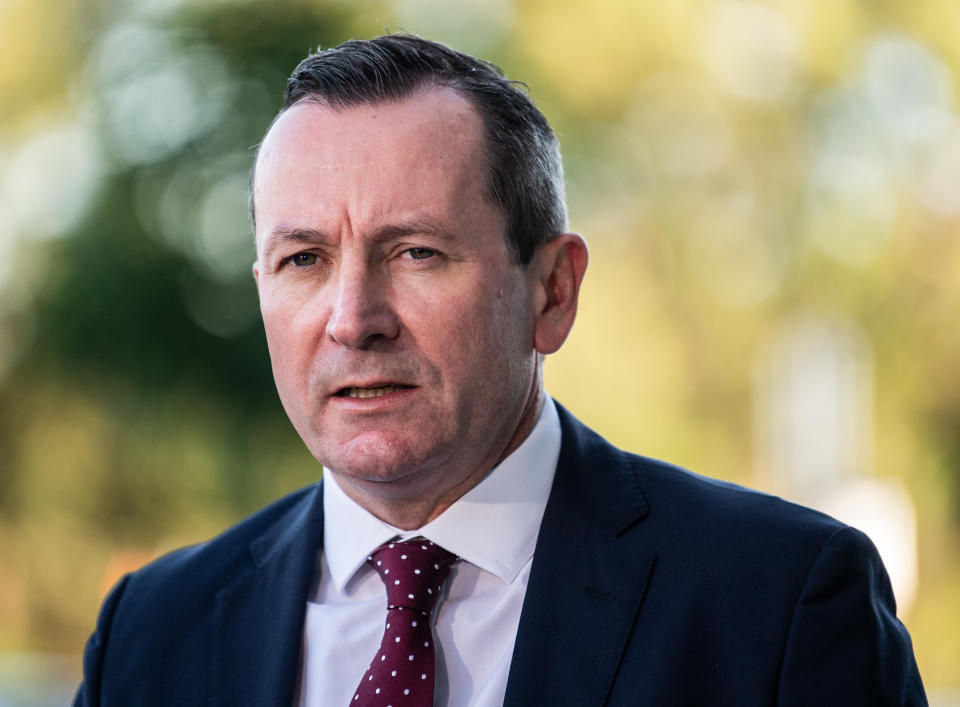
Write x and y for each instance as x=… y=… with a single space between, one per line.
x=376 y=392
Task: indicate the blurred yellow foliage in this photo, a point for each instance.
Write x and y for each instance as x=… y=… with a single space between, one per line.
x=39 y=46
x=738 y=168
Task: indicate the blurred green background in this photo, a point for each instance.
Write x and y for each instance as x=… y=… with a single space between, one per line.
x=771 y=192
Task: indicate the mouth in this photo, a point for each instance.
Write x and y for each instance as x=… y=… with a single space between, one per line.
x=371 y=392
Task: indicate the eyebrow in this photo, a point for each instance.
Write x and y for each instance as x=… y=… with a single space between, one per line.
x=421 y=225
x=284 y=234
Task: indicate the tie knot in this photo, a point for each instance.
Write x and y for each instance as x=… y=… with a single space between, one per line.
x=413 y=571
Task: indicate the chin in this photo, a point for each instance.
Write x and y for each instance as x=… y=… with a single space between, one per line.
x=375 y=456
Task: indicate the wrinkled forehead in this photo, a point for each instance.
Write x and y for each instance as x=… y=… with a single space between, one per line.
x=428 y=147
x=422 y=99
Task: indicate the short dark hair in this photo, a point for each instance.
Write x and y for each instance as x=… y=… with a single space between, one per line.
x=525 y=169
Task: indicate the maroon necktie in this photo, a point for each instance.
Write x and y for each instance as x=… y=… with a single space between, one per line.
x=401 y=673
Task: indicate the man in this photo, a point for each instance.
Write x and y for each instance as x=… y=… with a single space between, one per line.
x=414 y=268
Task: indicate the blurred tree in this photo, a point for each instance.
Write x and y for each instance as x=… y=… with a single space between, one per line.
x=143 y=409
x=735 y=165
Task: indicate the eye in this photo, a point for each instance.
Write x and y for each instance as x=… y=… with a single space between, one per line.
x=302 y=260
x=420 y=253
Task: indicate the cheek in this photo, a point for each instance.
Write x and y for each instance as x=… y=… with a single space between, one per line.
x=276 y=327
x=289 y=315
x=485 y=331
x=288 y=341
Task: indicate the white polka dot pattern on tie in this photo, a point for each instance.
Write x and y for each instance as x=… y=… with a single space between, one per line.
x=403 y=677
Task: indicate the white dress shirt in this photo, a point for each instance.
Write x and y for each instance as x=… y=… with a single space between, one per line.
x=493 y=529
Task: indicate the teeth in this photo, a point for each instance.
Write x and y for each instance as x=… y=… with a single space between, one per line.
x=370 y=392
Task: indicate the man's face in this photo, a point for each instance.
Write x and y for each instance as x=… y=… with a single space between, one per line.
x=400 y=327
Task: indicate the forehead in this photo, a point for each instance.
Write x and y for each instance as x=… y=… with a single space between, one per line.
x=419 y=149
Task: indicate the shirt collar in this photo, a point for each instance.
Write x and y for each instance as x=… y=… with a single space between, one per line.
x=493 y=526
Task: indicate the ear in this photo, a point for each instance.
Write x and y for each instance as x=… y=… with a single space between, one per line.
x=559 y=268
x=256 y=272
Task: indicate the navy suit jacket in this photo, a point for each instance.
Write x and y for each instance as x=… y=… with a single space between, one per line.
x=649 y=586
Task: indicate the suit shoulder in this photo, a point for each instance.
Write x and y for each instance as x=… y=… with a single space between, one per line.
x=677 y=491
x=164 y=614
x=609 y=482
x=231 y=553
x=710 y=533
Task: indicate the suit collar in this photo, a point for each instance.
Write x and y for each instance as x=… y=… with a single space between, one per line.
x=583 y=596
x=258 y=619
x=595 y=480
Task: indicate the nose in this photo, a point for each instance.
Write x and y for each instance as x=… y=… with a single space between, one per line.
x=362 y=314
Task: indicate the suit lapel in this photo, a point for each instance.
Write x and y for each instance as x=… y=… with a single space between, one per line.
x=583 y=597
x=258 y=620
